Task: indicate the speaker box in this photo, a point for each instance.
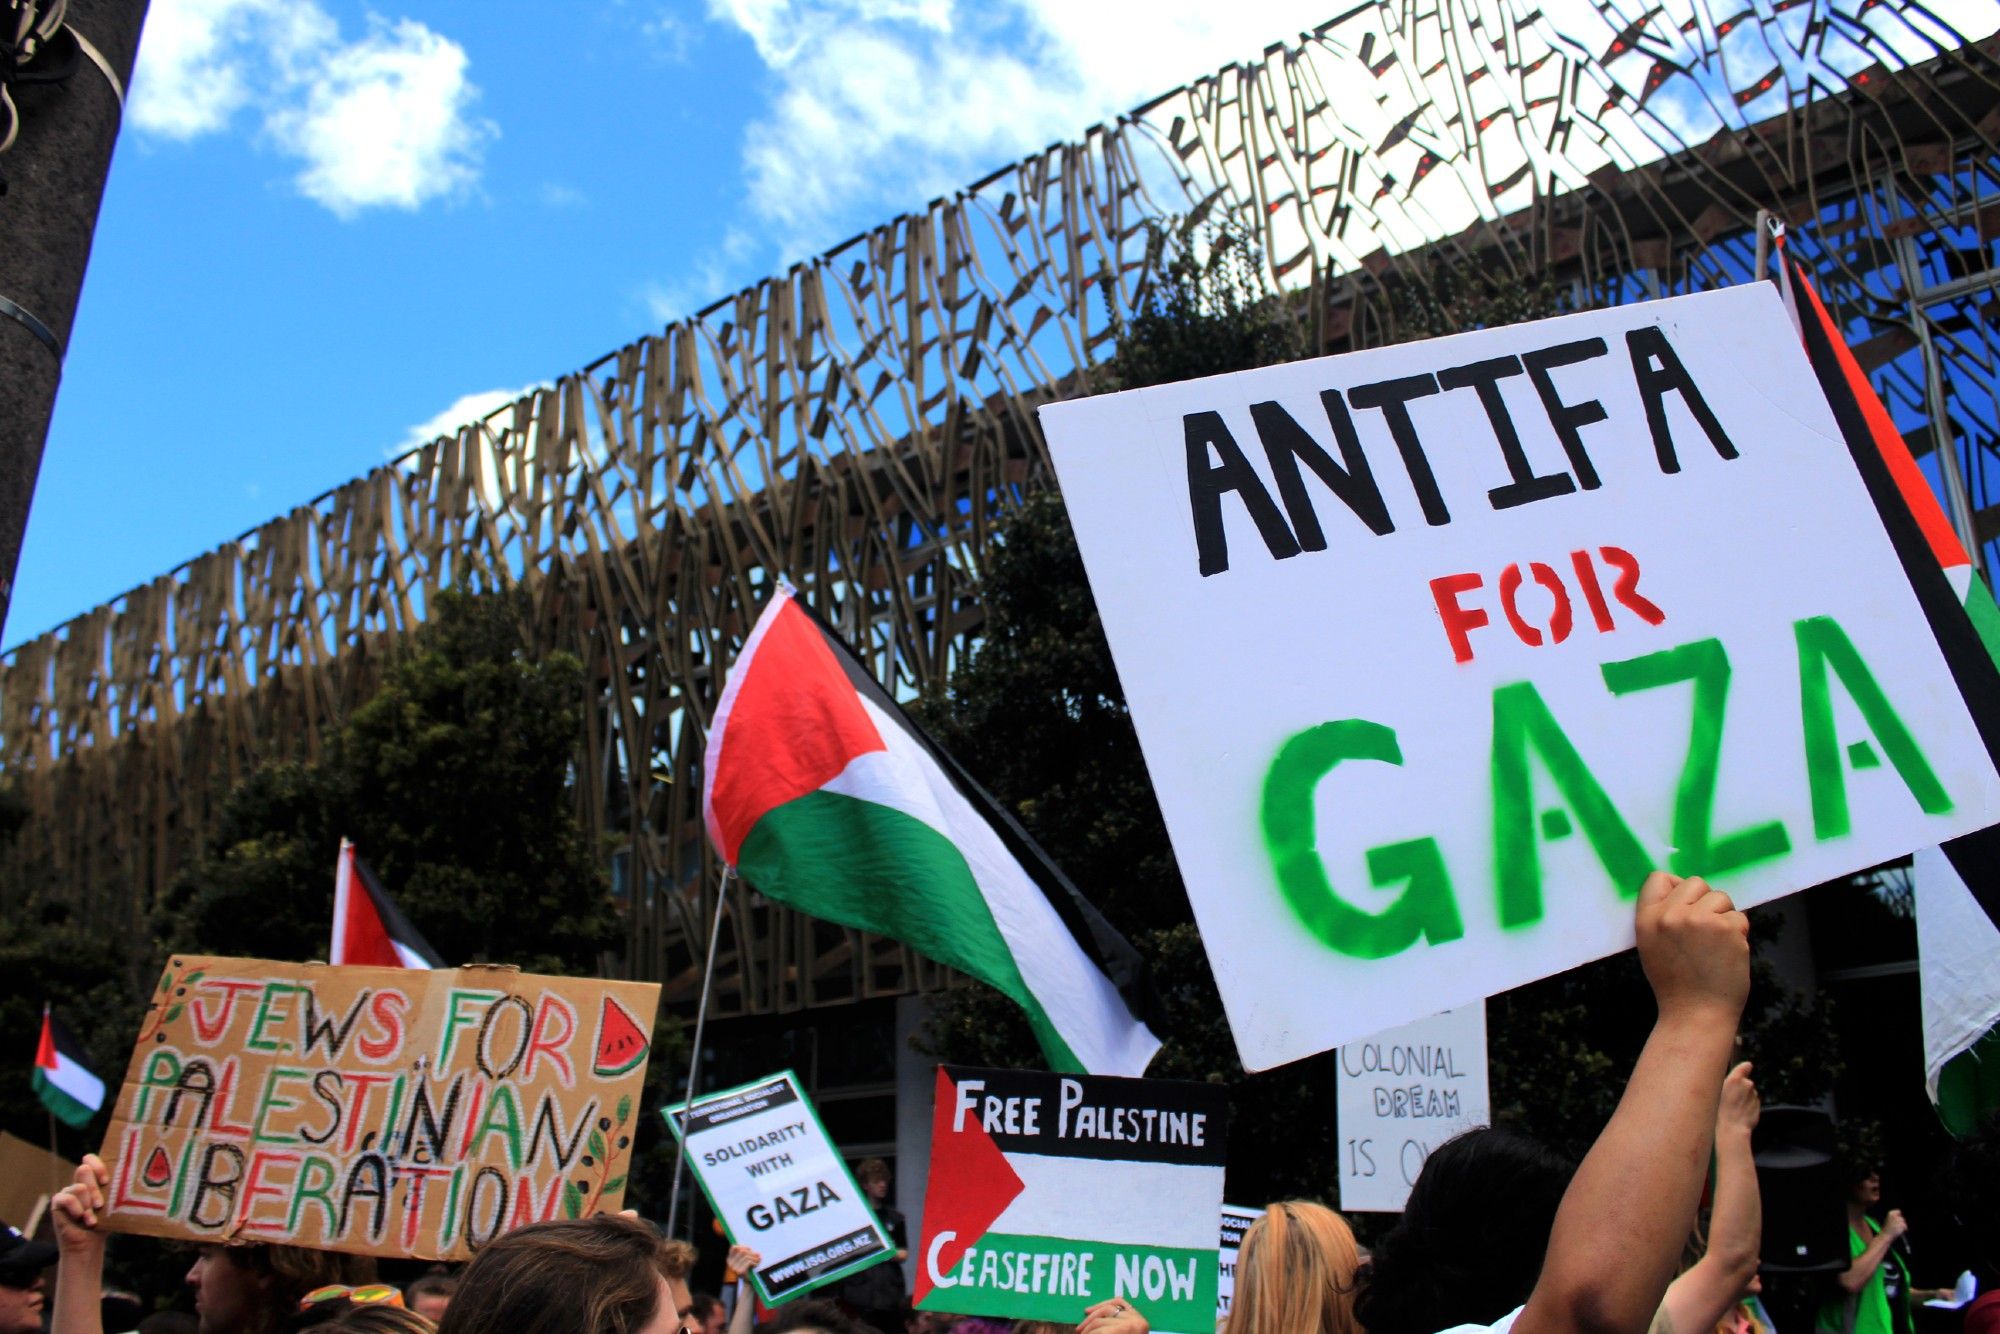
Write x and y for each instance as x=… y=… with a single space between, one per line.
x=1804 y=1194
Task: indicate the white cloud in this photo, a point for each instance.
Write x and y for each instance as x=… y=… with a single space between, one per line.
x=465 y=409
x=555 y=194
x=890 y=102
x=381 y=121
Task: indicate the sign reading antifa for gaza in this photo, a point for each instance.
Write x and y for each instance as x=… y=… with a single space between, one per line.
x=384 y=1111
x=1049 y=1193
x=1434 y=651
x=779 y=1185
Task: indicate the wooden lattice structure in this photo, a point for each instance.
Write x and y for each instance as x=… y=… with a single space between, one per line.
x=857 y=423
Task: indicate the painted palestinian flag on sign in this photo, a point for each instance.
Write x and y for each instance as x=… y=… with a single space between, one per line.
x=1051 y=1193
x=1953 y=884
x=62 y=1081
x=824 y=796
x=368 y=927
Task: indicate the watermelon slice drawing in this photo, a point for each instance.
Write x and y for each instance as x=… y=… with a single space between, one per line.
x=621 y=1043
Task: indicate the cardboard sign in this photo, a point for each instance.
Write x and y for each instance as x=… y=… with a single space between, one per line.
x=383 y=1111
x=29 y=1176
x=1235 y=1222
x=780 y=1186
x=1402 y=1093
x=1049 y=1193
x=1435 y=650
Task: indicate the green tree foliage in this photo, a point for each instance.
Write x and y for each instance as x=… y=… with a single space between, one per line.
x=454 y=780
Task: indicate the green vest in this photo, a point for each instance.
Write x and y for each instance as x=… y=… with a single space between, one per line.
x=1870 y=1306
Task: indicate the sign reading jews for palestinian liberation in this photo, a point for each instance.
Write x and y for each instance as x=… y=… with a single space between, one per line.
x=1049 y=1193
x=779 y=1186
x=1402 y=1093
x=1235 y=1222
x=1435 y=650
x=384 y=1111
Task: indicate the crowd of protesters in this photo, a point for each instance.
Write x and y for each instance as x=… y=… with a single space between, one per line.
x=1500 y=1233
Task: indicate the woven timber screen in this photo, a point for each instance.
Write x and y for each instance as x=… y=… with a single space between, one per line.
x=859 y=422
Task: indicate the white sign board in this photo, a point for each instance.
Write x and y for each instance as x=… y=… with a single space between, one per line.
x=1434 y=650
x=1402 y=1093
x=779 y=1186
x=1235 y=1222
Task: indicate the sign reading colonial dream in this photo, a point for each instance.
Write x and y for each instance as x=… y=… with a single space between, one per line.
x=1049 y=1193
x=779 y=1185
x=1402 y=1093
x=1435 y=650
x=384 y=1111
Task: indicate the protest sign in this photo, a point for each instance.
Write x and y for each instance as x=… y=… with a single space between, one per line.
x=1235 y=1222
x=382 y=1111
x=1402 y=1093
x=1435 y=650
x=1049 y=1193
x=29 y=1175
x=780 y=1186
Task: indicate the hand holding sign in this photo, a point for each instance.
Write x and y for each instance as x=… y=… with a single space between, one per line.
x=1694 y=946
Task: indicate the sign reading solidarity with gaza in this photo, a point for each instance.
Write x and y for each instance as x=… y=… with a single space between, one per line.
x=1435 y=650
x=384 y=1111
x=780 y=1186
x=1050 y=1193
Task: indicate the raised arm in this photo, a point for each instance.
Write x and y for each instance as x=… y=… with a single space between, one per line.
x=1703 y=1295
x=1619 y=1232
x=77 y=1210
x=742 y=1260
x=1871 y=1257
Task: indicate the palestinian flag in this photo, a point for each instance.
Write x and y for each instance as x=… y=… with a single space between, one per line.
x=62 y=1081
x=1957 y=886
x=824 y=796
x=368 y=927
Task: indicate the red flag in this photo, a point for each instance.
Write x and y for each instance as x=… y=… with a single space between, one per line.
x=368 y=928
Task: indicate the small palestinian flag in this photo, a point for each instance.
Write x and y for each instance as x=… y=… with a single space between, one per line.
x=824 y=796
x=368 y=927
x=62 y=1081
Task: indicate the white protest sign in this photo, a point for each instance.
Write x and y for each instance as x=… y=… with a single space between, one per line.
x=1235 y=1222
x=1434 y=650
x=1402 y=1093
x=779 y=1186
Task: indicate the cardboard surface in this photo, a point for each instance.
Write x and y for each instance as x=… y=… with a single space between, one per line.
x=383 y=1111
x=1434 y=650
x=29 y=1174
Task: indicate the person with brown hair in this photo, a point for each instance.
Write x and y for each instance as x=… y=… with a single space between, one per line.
x=1295 y=1273
x=374 y=1308
x=238 y=1289
x=607 y=1274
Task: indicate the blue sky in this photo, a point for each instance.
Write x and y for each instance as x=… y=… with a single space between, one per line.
x=333 y=228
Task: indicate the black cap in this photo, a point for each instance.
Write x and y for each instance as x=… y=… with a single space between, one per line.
x=22 y=1259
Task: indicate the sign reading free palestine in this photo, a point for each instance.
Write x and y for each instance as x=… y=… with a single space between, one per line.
x=1434 y=651
x=1051 y=1193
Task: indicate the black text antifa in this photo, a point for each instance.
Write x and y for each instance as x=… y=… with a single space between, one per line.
x=1216 y=465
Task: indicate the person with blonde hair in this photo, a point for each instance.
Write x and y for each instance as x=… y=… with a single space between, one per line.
x=1295 y=1273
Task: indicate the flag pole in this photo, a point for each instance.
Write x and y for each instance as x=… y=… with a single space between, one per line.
x=694 y=1062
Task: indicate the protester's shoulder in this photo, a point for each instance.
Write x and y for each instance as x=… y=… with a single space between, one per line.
x=1501 y=1326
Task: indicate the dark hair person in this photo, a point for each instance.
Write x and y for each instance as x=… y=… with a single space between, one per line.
x=607 y=1274
x=1480 y=1230
x=1469 y=1247
x=1295 y=1273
